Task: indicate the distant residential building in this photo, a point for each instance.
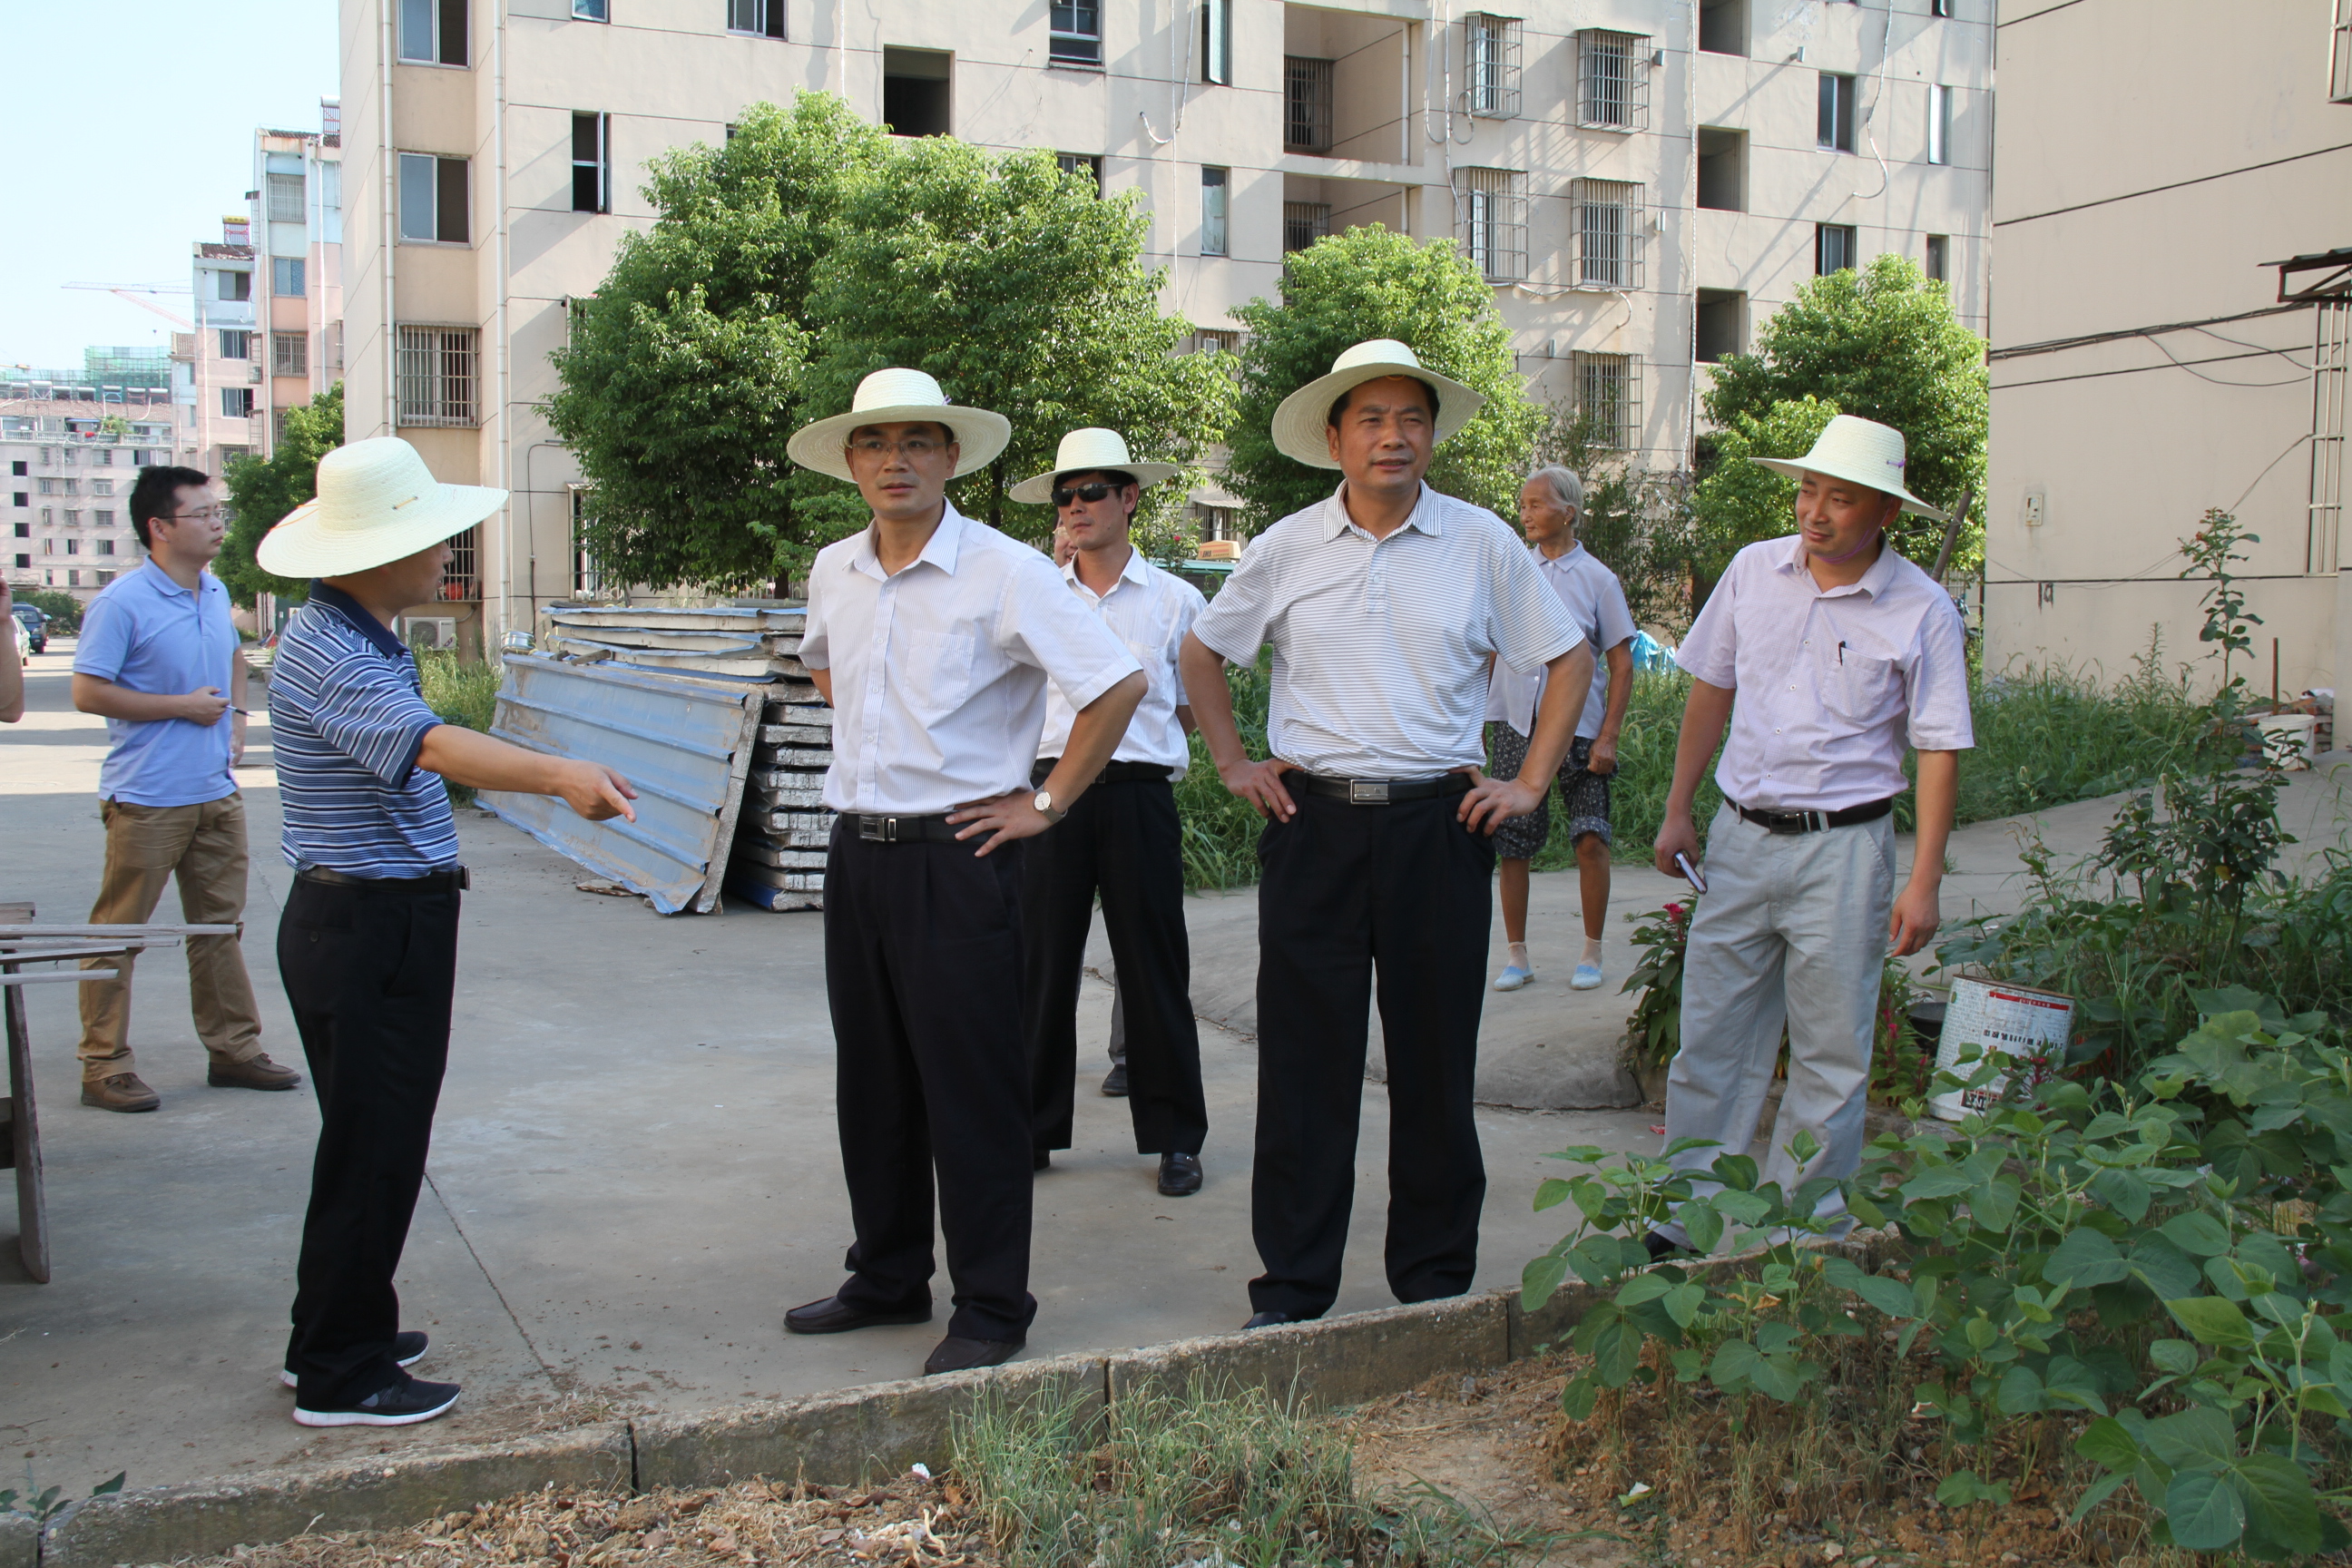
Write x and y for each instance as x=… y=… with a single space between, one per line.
x=298 y=269
x=68 y=464
x=223 y=387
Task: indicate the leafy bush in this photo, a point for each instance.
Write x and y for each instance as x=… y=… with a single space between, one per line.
x=62 y=608
x=1220 y=828
x=461 y=693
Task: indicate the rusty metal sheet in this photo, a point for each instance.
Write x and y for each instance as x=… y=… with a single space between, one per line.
x=684 y=744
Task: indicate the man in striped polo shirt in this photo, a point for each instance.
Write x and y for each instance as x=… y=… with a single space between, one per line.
x=1384 y=604
x=368 y=944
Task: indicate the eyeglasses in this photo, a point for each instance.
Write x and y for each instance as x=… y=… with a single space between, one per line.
x=912 y=446
x=1089 y=492
x=202 y=514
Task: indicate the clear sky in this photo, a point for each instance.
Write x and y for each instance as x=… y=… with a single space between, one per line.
x=132 y=134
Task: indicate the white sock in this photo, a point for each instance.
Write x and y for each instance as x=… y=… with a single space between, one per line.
x=1519 y=956
x=1592 y=950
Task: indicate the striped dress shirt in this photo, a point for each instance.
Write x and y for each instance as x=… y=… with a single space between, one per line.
x=1381 y=646
x=347 y=719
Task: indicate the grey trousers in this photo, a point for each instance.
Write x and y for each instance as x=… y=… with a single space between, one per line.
x=1793 y=927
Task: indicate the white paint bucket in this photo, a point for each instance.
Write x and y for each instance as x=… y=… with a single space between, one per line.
x=2291 y=739
x=2014 y=1021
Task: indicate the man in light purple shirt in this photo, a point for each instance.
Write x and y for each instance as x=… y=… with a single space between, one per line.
x=1830 y=654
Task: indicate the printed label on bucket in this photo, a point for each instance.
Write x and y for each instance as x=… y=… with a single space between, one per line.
x=2015 y=1021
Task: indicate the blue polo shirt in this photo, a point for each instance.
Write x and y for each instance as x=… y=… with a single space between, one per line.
x=347 y=719
x=145 y=633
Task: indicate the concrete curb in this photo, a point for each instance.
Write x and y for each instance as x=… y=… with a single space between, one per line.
x=20 y=1539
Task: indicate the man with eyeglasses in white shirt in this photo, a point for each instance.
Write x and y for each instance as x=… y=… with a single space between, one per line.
x=933 y=638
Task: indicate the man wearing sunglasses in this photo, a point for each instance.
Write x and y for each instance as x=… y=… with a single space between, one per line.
x=158 y=659
x=1123 y=841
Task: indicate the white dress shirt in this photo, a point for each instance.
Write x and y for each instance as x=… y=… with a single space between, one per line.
x=1832 y=683
x=1149 y=610
x=939 y=670
x=1596 y=603
x=1380 y=645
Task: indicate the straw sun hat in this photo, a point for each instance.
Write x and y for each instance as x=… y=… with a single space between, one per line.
x=898 y=397
x=1089 y=451
x=1300 y=423
x=1860 y=451
x=377 y=504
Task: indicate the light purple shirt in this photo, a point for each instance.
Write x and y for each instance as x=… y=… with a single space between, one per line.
x=1596 y=603
x=1832 y=683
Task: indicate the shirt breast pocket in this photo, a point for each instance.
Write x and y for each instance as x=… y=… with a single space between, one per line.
x=936 y=675
x=1864 y=691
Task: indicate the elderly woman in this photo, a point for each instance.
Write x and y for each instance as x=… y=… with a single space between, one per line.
x=1550 y=503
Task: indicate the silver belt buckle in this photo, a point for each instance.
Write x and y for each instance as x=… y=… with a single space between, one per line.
x=1368 y=791
x=877 y=829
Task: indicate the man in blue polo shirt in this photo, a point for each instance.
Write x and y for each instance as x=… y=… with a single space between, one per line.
x=158 y=659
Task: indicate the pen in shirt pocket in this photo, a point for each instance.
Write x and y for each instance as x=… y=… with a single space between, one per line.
x=1841 y=652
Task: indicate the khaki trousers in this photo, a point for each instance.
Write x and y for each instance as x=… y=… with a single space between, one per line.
x=146 y=847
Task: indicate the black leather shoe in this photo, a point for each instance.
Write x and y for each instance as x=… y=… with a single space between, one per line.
x=835 y=1316
x=958 y=1354
x=1659 y=1247
x=1041 y=1159
x=1115 y=1082
x=1267 y=1320
x=1180 y=1175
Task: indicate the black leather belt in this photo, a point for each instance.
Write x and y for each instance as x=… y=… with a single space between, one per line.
x=1815 y=821
x=1113 y=773
x=1382 y=791
x=453 y=880
x=880 y=829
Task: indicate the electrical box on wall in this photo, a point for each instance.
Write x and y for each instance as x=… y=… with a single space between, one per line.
x=2036 y=508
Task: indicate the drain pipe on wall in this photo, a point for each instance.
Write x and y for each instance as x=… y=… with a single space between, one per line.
x=495 y=627
x=388 y=173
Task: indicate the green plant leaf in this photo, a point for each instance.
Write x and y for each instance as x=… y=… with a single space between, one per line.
x=2204 y=1511
x=1682 y=1302
x=2019 y=1392
x=1776 y=1377
x=2098 y=1492
x=2178 y=1357
x=1642 y=1287
x=1617 y=1353
x=2197 y=1234
x=1578 y=1398
x=1937 y=1181
x=2085 y=1257
x=2196 y=1440
x=107 y=1487
x=1734 y=1363
x=1703 y=1225
x=1737 y=1171
x=1550 y=1193
x=1891 y=1297
x=2280 y=1504
x=2108 y=1442
x=2166 y=1269
x=2212 y=1322
x=1776 y=1338
x=1540 y=1278
x=2125 y=1192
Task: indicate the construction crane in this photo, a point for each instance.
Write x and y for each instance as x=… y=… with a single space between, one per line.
x=131 y=292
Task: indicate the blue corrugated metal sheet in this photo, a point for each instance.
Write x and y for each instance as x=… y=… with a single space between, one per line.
x=684 y=745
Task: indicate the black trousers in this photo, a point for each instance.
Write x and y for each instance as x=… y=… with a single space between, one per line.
x=1350 y=892
x=1123 y=841
x=922 y=965
x=369 y=972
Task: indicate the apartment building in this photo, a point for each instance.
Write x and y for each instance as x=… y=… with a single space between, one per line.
x=1643 y=181
x=69 y=466
x=218 y=382
x=2175 y=308
x=297 y=224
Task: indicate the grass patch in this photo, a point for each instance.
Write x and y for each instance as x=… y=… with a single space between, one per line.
x=459 y=692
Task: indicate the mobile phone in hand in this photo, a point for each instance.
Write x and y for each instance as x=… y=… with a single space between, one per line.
x=1690 y=872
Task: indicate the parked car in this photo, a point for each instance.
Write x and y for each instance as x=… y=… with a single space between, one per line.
x=34 y=623
x=23 y=639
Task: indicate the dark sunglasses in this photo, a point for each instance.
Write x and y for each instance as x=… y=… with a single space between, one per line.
x=1089 y=492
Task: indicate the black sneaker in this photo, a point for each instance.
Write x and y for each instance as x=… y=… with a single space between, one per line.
x=1115 y=1082
x=408 y=1350
x=404 y=1404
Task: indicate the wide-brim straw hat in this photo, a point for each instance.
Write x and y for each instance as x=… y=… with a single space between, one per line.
x=1860 y=451
x=1300 y=423
x=899 y=397
x=377 y=504
x=1088 y=451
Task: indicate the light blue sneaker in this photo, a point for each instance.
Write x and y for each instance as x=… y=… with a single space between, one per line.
x=1586 y=978
x=1513 y=978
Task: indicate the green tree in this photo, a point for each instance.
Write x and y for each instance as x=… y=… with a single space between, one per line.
x=1369 y=283
x=62 y=608
x=1021 y=288
x=684 y=375
x=1883 y=343
x=262 y=490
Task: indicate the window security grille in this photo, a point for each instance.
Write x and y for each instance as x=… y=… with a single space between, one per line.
x=1214 y=339
x=460 y=578
x=1304 y=223
x=290 y=354
x=1075 y=30
x=1490 y=64
x=1307 y=104
x=1085 y=164
x=2331 y=376
x=1215 y=187
x=764 y=18
x=277 y=426
x=1608 y=397
x=286 y=198
x=1217 y=42
x=1834 y=119
x=587 y=577
x=1833 y=248
x=439 y=375
x=592 y=163
x=1490 y=218
x=1608 y=219
x=1612 y=81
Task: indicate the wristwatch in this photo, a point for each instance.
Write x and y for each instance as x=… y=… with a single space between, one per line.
x=1043 y=801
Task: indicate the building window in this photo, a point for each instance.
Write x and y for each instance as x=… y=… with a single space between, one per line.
x=1721 y=325
x=764 y=19
x=237 y=402
x=285 y=198
x=234 y=284
x=1940 y=7
x=1833 y=248
x=1940 y=257
x=101 y=487
x=1215 y=523
x=587 y=577
x=1833 y=120
x=2339 y=55
x=1216 y=188
x=432 y=199
x=1075 y=30
x=590 y=11
x=1939 y=124
x=1722 y=167
x=103 y=546
x=439 y=375
x=1217 y=42
x=433 y=32
x=235 y=343
x=1212 y=340
x=592 y=163
x=1607 y=218
x=916 y=93
x=287 y=278
x=1304 y=223
x=48 y=547
x=458 y=578
x=1490 y=218
x=1307 y=104
x=1490 y=64
x=229 y=454
x=1723 y=26
x=1085 y=164
x=103 y=518
x=290 y=354
x=103 y=456
x=277 y=426
x=73 y=546
x=1612 y=81
x=1607 y=392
